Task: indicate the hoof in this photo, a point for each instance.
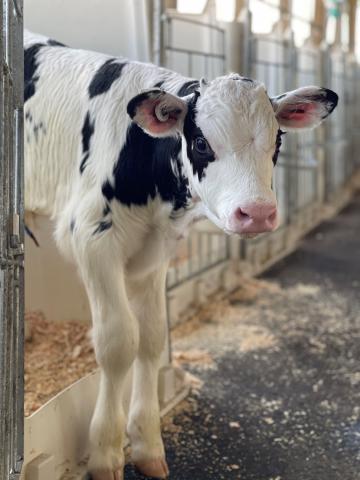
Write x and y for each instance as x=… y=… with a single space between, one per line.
x=156 y=468
x=105 y=475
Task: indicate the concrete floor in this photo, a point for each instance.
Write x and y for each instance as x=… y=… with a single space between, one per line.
x=281 y=371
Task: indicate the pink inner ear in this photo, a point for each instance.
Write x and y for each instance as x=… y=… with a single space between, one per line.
x=298 y=112
x=151 y=122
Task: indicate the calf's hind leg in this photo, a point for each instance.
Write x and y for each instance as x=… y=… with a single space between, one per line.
x=116 y=338
x=147 y=298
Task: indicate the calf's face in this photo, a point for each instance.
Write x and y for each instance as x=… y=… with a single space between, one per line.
x=231 y=133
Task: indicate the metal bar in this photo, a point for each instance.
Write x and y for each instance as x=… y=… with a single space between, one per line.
x=158 y=32
x=195 y=52
x=11 y=241
x=199 y=272
x=194 y=22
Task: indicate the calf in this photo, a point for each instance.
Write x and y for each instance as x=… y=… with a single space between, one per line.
x=124 y=157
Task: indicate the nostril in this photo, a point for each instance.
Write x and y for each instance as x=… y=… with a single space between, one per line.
x=272 y=216
x=240 y=214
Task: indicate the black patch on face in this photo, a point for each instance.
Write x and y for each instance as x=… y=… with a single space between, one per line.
x=30 y=70
x=105 y=77
x=193 y=134
x=188 y=88
x=277 y=146
x=102 y=227
x=86 y=134
x=55 y=43
x=245 y=79
x=144 y=170
x=281 y=96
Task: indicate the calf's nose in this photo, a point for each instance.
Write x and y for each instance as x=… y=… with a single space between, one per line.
x=255 y=218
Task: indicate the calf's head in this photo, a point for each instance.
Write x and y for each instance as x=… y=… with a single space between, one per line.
x=231 y=134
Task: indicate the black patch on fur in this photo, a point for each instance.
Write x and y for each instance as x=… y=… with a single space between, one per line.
x=144 y=170
x=72 y=226
x=159 y=84
x=55 y=43
x=245 y=79
x=86 y=134
x=83 y=162
x=30 y=70
x=28 y=116
x=281 y=96
x=29 y=232
x=277 y=146
x=188 y=88
x=105 y=77
x=106 y=210
x=103 y=226
x=191 y=132
x=108 y=191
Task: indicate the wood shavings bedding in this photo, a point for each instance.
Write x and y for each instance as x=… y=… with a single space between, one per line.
x=56 y=355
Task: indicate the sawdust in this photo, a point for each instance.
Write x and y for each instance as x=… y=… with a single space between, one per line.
x=302 y=289
x=215 y=309
x=193 y=356
x=250 y=290
x=256 y=338
x=56 y=355
x=225 y=323
x=186 y=408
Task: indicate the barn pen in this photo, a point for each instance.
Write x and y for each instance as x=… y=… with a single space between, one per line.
x=317 y=174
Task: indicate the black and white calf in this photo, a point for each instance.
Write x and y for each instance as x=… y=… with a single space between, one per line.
x=125 y=156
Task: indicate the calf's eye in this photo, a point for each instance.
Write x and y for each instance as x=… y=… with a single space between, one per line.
x=201 y=146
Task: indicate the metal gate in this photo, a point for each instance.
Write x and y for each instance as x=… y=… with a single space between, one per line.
x=11 y=240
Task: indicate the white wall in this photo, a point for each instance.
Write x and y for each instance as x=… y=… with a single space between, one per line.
x=52 y=284
x=117 y=27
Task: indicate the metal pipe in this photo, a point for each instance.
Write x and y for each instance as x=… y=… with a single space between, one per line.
x=158 y=32
x=11 y=241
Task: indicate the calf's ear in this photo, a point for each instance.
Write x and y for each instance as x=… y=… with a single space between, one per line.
x=157 y=112
x=304 y=108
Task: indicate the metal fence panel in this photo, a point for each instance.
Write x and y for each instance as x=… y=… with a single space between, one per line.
x=11 y=239
x=194 y=48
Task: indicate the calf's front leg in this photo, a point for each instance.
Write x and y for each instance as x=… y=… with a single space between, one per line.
x=116 y=339
x=147 y=298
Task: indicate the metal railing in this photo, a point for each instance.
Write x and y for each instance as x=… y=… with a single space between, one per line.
x=11 y=240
